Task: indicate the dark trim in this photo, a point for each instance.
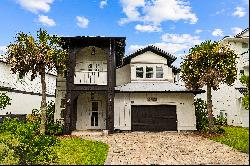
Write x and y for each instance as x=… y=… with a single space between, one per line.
x=241 y=32
x=153 y=49
x=111 y=87
x=23 y=92
x=242 y=90
x=194 y=92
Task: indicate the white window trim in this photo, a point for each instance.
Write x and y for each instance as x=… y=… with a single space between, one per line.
x=144 y=66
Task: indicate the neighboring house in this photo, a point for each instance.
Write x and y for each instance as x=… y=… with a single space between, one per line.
x=25 y=94
x=102 y=90
x=227 y=101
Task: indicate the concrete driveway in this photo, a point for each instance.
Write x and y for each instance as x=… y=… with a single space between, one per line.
x=166 y=148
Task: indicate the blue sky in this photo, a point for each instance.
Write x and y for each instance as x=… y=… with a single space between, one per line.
x=173 y=25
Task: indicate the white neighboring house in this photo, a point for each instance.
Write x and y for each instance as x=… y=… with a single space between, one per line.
x=227 y=101
x=25 y=94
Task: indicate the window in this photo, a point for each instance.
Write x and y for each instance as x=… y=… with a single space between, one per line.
x=244 y=45
x=159 y=72
x=63 y=103
x=65 y=73
x=149 y=72
x=241 y=72
x=62 y=113
x=139 y=72
x=94 y=114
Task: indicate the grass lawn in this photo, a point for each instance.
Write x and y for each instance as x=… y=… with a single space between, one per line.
x=236 y=137
x=77 y=151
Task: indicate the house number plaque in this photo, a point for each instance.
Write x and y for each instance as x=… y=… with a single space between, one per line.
x=152 y=99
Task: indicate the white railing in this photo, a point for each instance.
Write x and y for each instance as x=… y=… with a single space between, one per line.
x=91 y=77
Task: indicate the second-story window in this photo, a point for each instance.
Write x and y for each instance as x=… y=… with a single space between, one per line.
x=139 y=72
x=159 y=72
x=244 y=45
x=149 y=72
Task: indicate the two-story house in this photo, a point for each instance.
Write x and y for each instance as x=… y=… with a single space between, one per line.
x=227 y=101
x=102 y=90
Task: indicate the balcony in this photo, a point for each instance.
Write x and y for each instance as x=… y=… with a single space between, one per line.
x=91 y=77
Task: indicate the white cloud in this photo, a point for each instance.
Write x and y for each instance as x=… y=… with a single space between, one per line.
x=35 y=5
x=46 y=21
x=236 y=30
x=220 y=12
x=239 y=12
x=147 y=28
x=181 y=39
x=3 y=50
x=130 y=8
x=103 y=3
x=176 y=44
x=154 y=12
x=172 y=43
x=217 y=32
x=173 y=10
x=82 y=21
x=197 y=31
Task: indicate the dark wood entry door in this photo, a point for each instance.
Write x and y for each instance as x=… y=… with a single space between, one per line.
x=154 y=118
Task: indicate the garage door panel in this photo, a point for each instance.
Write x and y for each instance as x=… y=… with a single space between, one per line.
x=154 y=118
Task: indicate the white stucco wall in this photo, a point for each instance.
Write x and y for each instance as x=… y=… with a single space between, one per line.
x=184 y=105
x=24 y=103
x=123 y=75
x=149 y=57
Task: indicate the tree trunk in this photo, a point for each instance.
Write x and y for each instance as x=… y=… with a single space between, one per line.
x=209 y=108
x=43 y=103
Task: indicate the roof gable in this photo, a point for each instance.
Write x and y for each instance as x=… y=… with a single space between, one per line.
x=241 y=34
x=170 y=58
x=148 y=57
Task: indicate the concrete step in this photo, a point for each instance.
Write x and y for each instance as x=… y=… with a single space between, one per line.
x=88 y=132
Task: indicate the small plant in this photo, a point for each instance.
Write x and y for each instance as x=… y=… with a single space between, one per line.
x=201 y=115
x=202 y=118
x=52 y=127
x=220 y=120
x=245 y=100
x=4 y=101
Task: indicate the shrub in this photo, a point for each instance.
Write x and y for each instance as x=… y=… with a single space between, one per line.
x=201 y=115
x=4 y=100
x=202 y=118
x=7 y=155
x=33 y=148
x=51 y=127
x=220 y=120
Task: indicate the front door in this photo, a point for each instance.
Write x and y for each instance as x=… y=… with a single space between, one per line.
x=95 y=115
